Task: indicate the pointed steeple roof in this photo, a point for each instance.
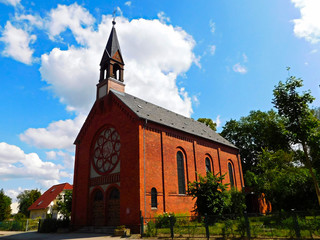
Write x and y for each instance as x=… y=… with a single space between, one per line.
x=112 y=46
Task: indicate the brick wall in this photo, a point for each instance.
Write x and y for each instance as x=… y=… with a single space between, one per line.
x=147 y=159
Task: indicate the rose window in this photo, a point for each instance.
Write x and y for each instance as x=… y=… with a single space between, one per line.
x=106 y=151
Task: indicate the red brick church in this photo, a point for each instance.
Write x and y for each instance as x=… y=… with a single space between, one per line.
x=133 y=157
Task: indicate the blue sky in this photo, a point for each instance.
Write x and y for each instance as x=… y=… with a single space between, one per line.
x=214 y=59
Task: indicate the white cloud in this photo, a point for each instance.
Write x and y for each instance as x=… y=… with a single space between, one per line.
x=58 y=135
x=11 y=2
x=239 y=68
x=195 y=100
x=13 y=193
x=212 y=26
x=313 y=51
x=14 y=207
x=245 y=58
x=10 y=154
x=33 y=20
x=119 y=11
x=218 y=121
x=128 y=3
x=212 y=49
x=51 y=155
x=67 y=158
x=308 y=26
x=163 y=18
x=74 y=17
x=154 y=58
x=17 y=43
x=28 y=166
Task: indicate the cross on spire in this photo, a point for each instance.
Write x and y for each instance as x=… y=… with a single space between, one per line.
x=114 y=17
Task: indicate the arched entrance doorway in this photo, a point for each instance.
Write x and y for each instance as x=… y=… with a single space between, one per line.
x=113 y=208
x=97 y=208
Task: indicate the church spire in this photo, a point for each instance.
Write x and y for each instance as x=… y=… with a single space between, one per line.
x=111 y=65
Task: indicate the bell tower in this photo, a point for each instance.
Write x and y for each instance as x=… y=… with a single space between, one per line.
x=111 y=66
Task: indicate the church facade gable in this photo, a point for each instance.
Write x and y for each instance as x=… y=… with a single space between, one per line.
x=105 y=153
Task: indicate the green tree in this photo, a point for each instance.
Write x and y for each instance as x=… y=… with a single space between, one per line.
x=315 y=147
x=236 y=203
x=209 y=123
x=286 y=184
x=300 y=122
x=26 y=198
x=64 y=204
x=210 y=194
x=5 y=209
x=255 y=132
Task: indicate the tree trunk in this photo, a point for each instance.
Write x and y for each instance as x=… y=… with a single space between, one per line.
x=309 y=166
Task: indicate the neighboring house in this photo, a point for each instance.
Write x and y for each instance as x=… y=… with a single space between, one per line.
x=44 y=204
x=134 y=158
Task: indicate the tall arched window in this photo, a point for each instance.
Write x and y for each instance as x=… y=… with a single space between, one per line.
x=154 y=201
x=181 y=178
x=208 y=165
x=230 y=169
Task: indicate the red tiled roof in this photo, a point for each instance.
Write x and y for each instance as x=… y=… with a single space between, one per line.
x=45 y=199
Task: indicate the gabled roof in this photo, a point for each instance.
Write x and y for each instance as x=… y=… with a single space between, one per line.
x=51 y=194
x=154 y=113
x=112 y=46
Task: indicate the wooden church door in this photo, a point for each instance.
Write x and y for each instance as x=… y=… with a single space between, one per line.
x=113 y=208
x=98 y=209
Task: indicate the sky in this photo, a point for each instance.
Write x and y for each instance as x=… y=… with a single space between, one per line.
x=212 y=59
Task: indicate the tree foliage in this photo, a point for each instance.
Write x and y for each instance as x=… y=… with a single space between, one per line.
x=300 y=121
x=26 y=198
x=64 y=204
x=255 y=132
x=5 y=209
x=210 y=194
x=209 y=123
x=286 y=184
x=214 y=198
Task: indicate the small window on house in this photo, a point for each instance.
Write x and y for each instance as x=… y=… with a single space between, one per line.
x=39 y=203
x=230 y=169
x=154 y=200
x=98 y=196
x=53 y=189
x=208 y=165
x=181 y=178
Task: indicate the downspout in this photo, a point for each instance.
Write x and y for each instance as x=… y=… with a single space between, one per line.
x=195 y=160
x=240 y=171
x=144 y=168
x=219 y=161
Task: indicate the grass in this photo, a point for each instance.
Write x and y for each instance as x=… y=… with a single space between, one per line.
x=279 y=226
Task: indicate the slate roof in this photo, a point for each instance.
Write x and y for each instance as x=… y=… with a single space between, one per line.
x=51 y=194
x=154 y=113
x=112 y=45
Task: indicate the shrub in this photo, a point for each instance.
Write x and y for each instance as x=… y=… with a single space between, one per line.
x=151 y=229
x=51 y=225
x=19 y=216
x=210 y=194
x=163 y=220
x=236 y=202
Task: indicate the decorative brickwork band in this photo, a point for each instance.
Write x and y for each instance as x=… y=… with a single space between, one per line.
x=110 y=178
